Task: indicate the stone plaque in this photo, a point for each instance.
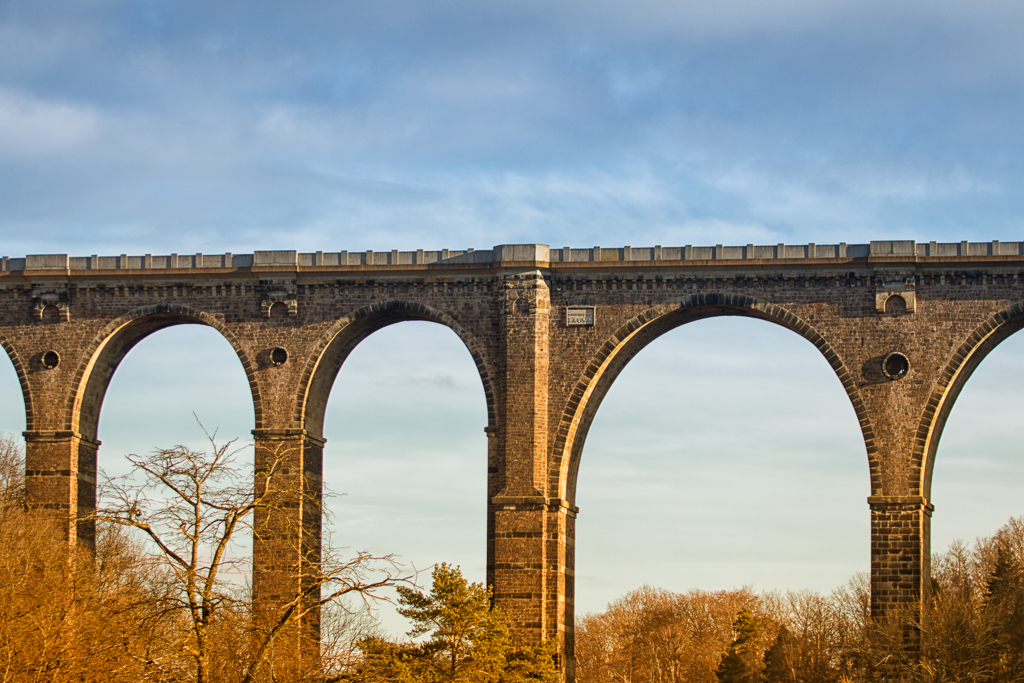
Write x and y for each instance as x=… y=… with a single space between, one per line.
x=579 y=316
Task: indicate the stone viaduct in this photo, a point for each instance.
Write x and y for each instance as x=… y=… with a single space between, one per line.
x=902 y=324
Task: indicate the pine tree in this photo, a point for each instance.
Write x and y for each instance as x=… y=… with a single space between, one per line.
x=777 y=665
x=1004 y=598
x=1005 y=578
x=733 y=669
x=736 y=665
x=468 y=641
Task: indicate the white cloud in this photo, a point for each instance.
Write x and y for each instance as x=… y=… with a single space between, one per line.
x=33 y=127
x=712 y=19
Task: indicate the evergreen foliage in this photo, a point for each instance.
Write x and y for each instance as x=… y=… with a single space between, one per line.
x=1004 y=600
x=733 y=669
x=467 y=641
x=737 y=665
x=778 y=667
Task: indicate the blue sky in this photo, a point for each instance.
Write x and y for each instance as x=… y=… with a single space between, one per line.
x=160 y=127
x=215 y=126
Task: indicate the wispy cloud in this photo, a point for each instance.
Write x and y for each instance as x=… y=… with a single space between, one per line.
x=528 y=121
x=34 y=130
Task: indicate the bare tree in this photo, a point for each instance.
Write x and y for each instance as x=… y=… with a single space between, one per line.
x=343 y=624
x=657 y=636
x=12 y=471
x=194 y=508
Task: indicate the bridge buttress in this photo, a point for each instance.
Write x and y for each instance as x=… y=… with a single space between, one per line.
x=522 y=568
x=60 y=478
x=900 y=553
x=287 y=531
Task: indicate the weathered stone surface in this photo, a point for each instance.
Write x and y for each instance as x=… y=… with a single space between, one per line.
x=66 y=323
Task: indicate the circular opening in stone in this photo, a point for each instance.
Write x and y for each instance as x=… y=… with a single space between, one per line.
x=51 y=360
x=895 y=365
x=278 y=356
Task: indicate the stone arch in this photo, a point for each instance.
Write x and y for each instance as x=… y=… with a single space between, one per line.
x=20 y=370
x=344 y=335
x=109 y=346
x=964 y=361
x=634 y=335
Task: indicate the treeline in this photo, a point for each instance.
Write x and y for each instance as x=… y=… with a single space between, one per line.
x=158 y=602
x=974 y=627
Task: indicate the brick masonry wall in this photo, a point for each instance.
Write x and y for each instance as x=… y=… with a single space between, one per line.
x=292 y=326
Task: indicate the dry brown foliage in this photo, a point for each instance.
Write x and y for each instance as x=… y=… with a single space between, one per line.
x=165 y=597
x=973 y=630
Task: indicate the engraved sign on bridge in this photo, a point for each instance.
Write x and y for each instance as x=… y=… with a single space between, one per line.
x=579 y=316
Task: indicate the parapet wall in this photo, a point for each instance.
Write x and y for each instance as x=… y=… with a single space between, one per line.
x=515 y=253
